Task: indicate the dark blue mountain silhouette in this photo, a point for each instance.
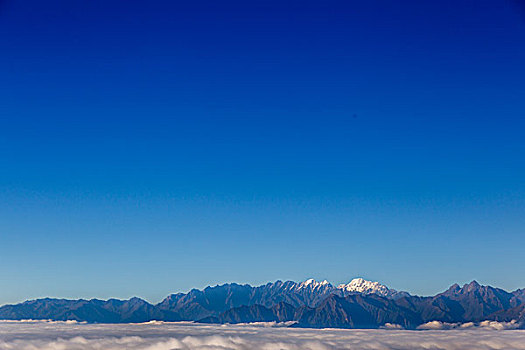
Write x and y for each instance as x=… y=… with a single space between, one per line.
x=308 y=304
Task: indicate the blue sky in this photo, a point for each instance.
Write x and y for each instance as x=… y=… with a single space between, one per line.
x=149 y=148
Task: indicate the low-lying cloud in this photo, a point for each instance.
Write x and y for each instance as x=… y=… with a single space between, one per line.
x=495 y=325
x=185 y=336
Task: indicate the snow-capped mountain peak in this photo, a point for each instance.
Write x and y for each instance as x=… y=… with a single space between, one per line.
x=355 y=286
x=360 y=285
x=313 y=284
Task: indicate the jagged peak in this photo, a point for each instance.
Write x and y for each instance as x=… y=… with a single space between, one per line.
x=312 y=283
x=474 y=284
x=360 y=285
x=453 y=289
x=228 y=285
x=456 y=289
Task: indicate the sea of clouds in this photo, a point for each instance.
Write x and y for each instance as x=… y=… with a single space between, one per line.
x=39 y=335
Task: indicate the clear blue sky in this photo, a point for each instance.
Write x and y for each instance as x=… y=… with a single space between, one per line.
x=152 y=147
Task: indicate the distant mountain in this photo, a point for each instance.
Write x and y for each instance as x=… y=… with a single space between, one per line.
x=357 y=311
x=361 y=286
x=358 y=304
x=106 y=311
x=199 y=304
x=476 y=302
x=470 y=303
x=211 y=301
x=352 y=311
x=280 y=312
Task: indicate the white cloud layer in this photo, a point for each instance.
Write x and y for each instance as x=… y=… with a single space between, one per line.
x=499 y=326
x=185 y=336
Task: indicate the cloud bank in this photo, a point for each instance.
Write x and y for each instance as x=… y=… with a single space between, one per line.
x=495 y=325
x=185 y=336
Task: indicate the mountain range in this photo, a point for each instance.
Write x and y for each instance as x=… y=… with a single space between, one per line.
x=358 y=304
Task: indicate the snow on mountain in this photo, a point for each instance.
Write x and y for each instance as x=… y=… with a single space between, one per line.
x=356 y=286
x=362 y=286
x=313 y=284
x=279 y=297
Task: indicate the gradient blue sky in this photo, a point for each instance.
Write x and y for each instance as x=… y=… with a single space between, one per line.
x=152 y=147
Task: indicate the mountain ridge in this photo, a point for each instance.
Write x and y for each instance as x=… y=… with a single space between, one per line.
x=358 y=304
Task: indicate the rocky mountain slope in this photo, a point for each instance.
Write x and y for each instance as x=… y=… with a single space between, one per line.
x=358 y=304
